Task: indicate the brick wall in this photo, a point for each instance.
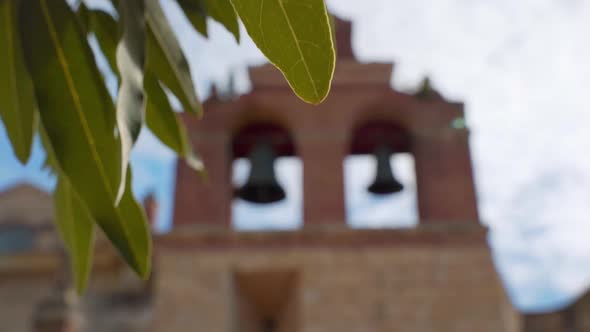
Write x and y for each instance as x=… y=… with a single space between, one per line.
x=322 y=137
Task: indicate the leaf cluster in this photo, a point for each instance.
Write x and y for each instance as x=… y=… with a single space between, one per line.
x=50 y=84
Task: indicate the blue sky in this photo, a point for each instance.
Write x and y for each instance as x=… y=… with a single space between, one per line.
x=522 y=69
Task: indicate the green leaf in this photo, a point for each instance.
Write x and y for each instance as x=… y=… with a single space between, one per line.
x=196 y=14
x=164 y=123
x=128 y=213
x=17 y=102
x=79 y=118
x=76 y=226
x=166 y=60
x=50 y=163
x=223 y=12
x=115 y=4
x=75 y=108
x=130 y=62
x=83 y=17
x=105 y=28
x=132 y=217
x=220 y=10
x=72 y=218
x=295 y=36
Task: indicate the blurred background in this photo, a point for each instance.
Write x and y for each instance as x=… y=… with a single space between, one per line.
x=522 y=70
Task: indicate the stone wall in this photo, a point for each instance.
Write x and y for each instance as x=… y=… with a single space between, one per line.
x=25 y=281
x=573 y=318
x=425 y=286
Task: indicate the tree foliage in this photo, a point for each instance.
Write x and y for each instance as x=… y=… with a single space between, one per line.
x=50 y=84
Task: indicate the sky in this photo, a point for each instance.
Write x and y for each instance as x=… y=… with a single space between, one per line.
x=522 y=70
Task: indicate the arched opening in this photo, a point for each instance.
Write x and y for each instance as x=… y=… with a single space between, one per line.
x=267 y=179
x=379 y=177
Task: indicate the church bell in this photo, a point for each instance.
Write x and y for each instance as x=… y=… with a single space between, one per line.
x=262 y=186
x=385 y=181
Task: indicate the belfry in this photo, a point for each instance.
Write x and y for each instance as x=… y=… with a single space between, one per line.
x=326 y=276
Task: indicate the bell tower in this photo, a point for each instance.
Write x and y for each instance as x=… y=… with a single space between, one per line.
x=437 y=276
x=361 y=115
